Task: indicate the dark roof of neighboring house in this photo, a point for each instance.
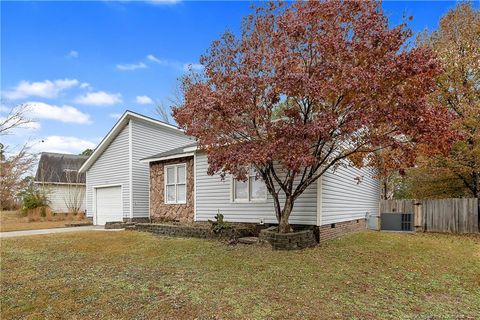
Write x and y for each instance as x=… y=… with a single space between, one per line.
x=60 y=168
x=171 y=152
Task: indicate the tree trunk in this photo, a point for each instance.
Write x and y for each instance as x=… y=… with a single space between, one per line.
x=283 y=225
x=477 y=195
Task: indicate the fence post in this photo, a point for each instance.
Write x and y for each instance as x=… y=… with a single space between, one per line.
x=417 y=215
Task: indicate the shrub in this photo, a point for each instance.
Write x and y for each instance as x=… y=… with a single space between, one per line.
x=33 y=199
x=43 y=212
x=219 y=224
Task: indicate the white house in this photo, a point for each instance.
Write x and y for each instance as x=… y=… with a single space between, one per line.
x=169 y=182
x=116 y=181
x=181 y=189
x=58 y=177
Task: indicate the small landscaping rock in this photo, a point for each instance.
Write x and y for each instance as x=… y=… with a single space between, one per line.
x=78 y=224
x=248 y=240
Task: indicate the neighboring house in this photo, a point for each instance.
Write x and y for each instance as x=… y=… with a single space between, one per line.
x=59 y=178
x=116 y=181
x=181 y=189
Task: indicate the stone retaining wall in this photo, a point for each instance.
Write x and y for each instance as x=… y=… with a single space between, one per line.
x=288 y=241
x=192 y=231
x=118 y=225
x=334 y=230
x=137 y=219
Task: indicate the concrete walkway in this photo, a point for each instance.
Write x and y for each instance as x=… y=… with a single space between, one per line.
x=21 y=233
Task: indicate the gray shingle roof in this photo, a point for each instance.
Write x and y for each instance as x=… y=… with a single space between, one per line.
x=60 y=168
x=171 y=152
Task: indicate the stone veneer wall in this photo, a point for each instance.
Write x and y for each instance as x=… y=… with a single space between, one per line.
x=159 y=210
x=331 y=231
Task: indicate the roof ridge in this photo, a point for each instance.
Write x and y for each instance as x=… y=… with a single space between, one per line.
x=63 y=154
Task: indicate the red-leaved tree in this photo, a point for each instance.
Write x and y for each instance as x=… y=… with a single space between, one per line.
x=308 y=87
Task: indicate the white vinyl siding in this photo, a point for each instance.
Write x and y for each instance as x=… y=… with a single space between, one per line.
x=213 y=195
x=344 y=198
x=111 y=168
x=59 y=196
x=147 y=140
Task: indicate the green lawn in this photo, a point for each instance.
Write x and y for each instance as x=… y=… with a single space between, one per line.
x=131 y=275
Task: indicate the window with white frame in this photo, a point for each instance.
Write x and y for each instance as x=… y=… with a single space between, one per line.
x=253 y=189
x=176 y=183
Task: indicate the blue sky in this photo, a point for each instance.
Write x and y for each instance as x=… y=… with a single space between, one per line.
x=81 y=64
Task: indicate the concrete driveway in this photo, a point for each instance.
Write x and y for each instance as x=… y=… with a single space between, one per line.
x=21 y=233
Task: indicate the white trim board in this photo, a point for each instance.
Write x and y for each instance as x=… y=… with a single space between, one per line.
x=174 y=156
x=319 y=200
x=194 y=187
x=130 y=167
x=175 y=166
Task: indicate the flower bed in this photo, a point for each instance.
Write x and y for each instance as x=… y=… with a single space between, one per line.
x=288 y=241
x=200 y=230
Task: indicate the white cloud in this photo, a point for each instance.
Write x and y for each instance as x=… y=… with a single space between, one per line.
x=85 y=85
x=43 y=89
x=131 y=67
x=193 y=66
x=144 y=100
x=72 y=54
x=152 y=58
x=115 y=115
x=175 y=64
x=4 y=109
x=99 y=98
x=30 y=126
x=62 y=144
x=67 y=114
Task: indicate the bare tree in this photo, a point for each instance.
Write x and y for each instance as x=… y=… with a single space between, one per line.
x=13 y=169
x=16 y=118
x=174 y=100
x=161 y=111
x=75 y=193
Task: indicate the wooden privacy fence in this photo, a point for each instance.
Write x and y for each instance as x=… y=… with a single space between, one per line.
x=438 y=215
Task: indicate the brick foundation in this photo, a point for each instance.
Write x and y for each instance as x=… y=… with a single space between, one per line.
x=159 y=210
x=332 y=231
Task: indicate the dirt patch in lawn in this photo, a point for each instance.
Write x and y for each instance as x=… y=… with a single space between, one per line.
x=15 y=221
x=130 y=275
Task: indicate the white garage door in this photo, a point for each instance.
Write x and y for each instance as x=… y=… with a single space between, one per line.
x=109 y=205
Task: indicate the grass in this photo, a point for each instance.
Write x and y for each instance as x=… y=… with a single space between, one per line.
x=15 y=221
x=132 y=275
